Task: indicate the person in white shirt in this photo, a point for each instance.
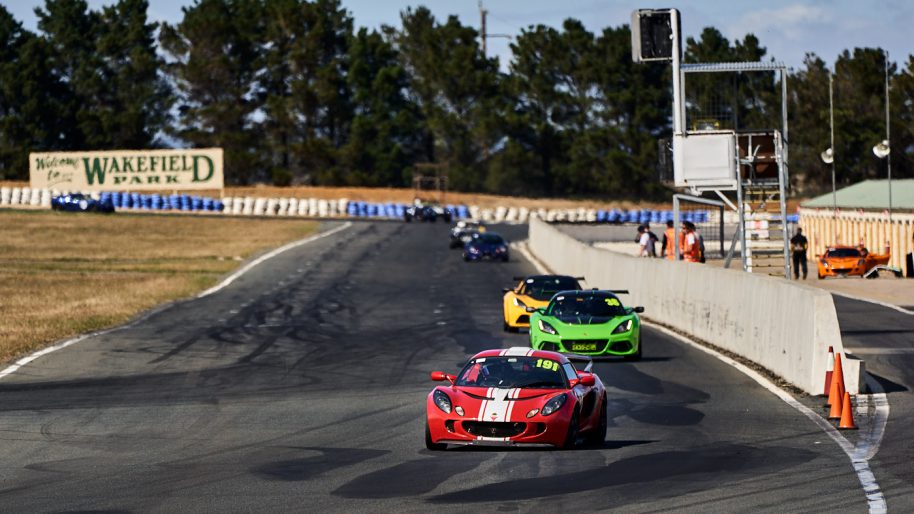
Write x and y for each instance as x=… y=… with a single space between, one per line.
x=644 y=240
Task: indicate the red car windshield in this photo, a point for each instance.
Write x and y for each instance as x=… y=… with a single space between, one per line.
x=510 y=372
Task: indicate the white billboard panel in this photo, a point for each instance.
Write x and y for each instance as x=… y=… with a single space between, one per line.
x=705 y=160
x=127 y=170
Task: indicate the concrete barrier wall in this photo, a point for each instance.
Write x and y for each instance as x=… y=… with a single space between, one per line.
x=782 y=326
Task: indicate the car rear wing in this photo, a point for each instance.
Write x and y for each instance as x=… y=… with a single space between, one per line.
x=613 y=291
x=575 y=358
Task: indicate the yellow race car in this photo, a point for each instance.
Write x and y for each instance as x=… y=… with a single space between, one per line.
x=534 y=291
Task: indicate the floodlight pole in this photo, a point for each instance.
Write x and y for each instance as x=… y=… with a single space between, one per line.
x=887 y=132
x=678 y=110
x=831 y=124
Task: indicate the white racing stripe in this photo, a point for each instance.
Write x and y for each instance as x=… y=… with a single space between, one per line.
x=859 y=455
x=497 y=409
x=12 y=368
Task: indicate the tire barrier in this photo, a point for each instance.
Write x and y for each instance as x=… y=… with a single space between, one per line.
x=783 y=326
x=343 y=207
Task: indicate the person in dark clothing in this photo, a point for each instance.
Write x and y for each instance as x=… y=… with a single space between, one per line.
x=798 y=247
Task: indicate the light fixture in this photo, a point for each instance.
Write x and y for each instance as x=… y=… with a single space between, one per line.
x=828 y=156
x=882 y=149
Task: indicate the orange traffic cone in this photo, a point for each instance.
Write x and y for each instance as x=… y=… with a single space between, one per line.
x=829 y=368
x=847 y=415
x=836 y=392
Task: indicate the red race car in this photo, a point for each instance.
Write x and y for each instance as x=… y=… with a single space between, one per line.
x=517 y=396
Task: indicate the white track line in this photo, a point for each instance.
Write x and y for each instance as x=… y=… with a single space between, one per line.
x=273 y=253
x=12 y=368
x=876 y=302
x=859 y=455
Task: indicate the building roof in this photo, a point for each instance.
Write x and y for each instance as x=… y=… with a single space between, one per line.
x=870 y=195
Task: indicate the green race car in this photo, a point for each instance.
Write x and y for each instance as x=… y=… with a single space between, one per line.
x=587 y=322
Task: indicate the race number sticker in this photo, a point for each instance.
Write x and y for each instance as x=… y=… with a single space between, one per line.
x=613 y=302
x=547 y=364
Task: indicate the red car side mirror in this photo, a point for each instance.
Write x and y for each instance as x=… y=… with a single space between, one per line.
x=440 y=376
x=587 y=380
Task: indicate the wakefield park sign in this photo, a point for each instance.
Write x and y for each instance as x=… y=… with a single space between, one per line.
x=127 y=170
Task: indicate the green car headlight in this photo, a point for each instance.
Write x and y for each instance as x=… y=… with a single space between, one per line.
x=442 y=401
x=623 y=327
x=547 y=328
x=555 y=403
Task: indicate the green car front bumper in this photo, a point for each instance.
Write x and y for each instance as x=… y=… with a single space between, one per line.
x=588 y=340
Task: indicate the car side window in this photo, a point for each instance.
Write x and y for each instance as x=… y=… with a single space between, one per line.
x=569 y=371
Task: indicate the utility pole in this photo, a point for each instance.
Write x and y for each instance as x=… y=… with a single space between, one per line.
x=483 y=34
x=482 y=24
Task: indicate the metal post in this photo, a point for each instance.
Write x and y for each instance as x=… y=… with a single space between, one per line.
x=742 y=222
x=482 y=16
x=678 y=107
x=831 y=123
x=887 y=132
x=676 y=226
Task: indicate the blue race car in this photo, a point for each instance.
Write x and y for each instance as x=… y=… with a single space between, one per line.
x=486 y=245
x=77 y=202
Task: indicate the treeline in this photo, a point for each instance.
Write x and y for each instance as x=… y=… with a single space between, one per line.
x=295 y=93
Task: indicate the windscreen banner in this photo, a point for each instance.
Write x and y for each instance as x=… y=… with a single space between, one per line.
x=127 y=170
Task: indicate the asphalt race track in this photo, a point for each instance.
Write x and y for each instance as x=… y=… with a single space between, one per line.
x=884 y=338
x=301 y=387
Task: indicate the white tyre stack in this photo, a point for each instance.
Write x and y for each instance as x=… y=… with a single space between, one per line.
x=323 y=208
x=293 y=207
x=523 y=214
x=282 y=207
x=5 y=193
x=303 y=207
x=260 y=205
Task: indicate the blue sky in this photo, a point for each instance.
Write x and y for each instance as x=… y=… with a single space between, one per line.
x=788 y=28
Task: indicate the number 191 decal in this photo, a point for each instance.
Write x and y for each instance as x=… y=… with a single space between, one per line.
x=547 y=364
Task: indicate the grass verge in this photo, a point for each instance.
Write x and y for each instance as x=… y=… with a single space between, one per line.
x=62 y=274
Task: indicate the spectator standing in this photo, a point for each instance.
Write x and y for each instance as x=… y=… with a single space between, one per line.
x=652 y=241
x=691 y=247
x=798 y=247
x=644 y=241
x=669 y=235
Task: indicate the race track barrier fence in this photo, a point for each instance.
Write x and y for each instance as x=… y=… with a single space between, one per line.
x=343 y=207
x=778 y=324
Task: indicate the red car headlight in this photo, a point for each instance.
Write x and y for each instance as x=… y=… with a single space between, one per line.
x=555 y=403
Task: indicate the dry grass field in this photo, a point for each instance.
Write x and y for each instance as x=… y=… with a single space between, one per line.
x=62 y=274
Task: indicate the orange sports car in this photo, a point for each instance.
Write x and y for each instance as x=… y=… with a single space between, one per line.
x=843 y=261
x=534 y=291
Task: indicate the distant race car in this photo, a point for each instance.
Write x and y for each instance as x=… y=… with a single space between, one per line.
x=533 y=291
x=463 y=231
x=77 y=202
x=589 y=322
x=517 y=396
x=427 y=212
x=842 y=261
x=486 y=245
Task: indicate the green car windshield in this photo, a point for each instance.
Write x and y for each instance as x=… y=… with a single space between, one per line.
x=544 y=287
x=511 y=372
x=586 y=308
